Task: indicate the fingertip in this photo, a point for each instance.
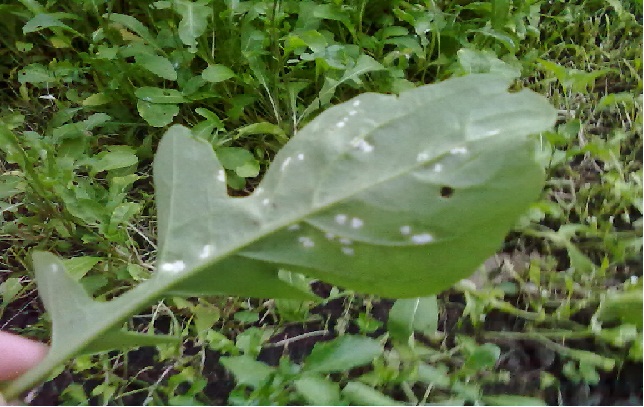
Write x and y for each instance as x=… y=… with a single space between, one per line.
x=17 y=355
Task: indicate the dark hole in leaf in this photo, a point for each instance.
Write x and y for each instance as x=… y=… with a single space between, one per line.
x=447 y=192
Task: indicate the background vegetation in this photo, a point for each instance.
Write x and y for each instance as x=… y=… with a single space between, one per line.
x=89 y=86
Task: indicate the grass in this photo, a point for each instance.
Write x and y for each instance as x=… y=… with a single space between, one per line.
x=550 y=317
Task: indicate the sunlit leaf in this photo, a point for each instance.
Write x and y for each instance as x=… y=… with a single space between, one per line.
x=217 y=73
x=342 y=354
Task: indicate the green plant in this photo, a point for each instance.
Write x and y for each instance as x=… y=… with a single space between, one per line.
x=461 y=186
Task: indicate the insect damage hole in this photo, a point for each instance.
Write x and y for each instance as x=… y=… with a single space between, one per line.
x=446 y=192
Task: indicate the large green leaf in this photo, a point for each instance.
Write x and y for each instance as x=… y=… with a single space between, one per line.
x=396 y=196
x=400 y=196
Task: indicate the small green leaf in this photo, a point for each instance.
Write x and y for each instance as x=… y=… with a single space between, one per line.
x=240 y=160
x=36 y=74
x=625 y=306
x=476 y=61
x=579 y=262
x=24 y=46
x=205 y=317
x=511 y=400
x=217 y=73
x=116 y=157
x=363 y=65
x=437 y=376
x=318 y=391
x=77 y=267
x=97 y=99
x=120 y=339
x=106 y=52
x=194 y=20
x=248 y=170
x=159 y=96
x=262 y=128
x=158 y=65
x=42 y=21
x=157 y=115
x=342 y=354
x=413 y=314
x=635 y=351
x=121 y=215
x=210 y=116
x=233 y=157
x=247 y=370
x=246 y=317
x=9 y=289
x=614 y=100
x=483 y=357
x=133 y=25
x=362 y=395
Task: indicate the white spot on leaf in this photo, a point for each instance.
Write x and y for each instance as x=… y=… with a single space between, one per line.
x=300 y=156
x=438 y=167
x=458 y=150
x=294 y=226
x=353 y=112
x=356 y=103
x=345 y=241
x=422 y=157
x=340 y=124
x=266 y=201
x=306 y=241
x=348 y=251
x=340 y=219
x=259 y=190
x=221 y=176
x=174 y=267
x=285 y=163
x=362 y=145
x=329 y=235
x=405 y=230
x=422 y=238
x=356 y=223
x=206 y=251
